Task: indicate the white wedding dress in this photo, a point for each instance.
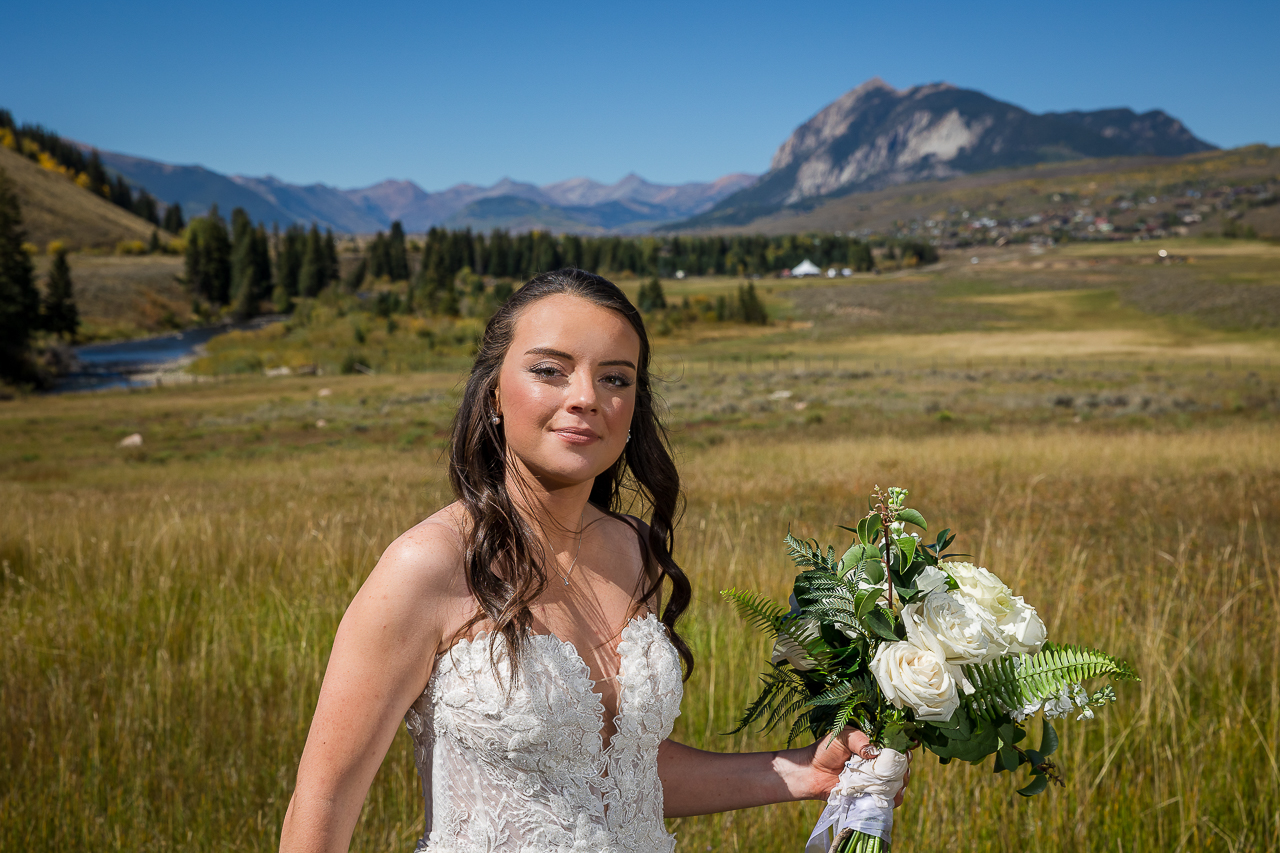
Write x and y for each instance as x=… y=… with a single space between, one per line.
x=525 y=769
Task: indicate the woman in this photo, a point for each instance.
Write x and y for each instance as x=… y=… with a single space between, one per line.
x=516 y=630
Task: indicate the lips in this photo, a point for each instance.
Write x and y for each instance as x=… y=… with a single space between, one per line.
x=574 y=435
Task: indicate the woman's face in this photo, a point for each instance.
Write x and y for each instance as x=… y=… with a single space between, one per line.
x=567 y=389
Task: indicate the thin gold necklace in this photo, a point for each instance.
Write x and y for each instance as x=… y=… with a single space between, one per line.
x=576 y=553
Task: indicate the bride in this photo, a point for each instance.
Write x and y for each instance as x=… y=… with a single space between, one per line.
x=521 y=632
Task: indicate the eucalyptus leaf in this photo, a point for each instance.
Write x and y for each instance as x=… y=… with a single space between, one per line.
x=1037 y=785
x=911 y=516
x=1048 y=739
x=877 y=623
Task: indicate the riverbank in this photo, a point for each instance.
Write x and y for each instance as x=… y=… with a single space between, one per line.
x=145 y=362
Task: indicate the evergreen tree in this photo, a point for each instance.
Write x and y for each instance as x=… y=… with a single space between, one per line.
x=751 y=308
x=145 y=206
x=378 y=257
x=355 y=278
x=289 y=261
x=245 y=282
x=98 y=181
x=154 y=246
x=173 y=221
x=330 y=257
x=397 y=258
x=651 y=297
x=313 y=276
x=209 y=257
x=19 y=301
x=60 y=313
x=121 y=195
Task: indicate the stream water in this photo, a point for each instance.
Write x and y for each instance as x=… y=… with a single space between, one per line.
x=125 y=364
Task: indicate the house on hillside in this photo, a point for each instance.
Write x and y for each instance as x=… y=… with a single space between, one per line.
x=805 y=267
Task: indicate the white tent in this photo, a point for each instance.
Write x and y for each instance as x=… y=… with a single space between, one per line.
x=806 y=267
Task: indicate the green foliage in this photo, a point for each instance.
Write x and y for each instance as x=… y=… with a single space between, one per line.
x=19 y=301
x=1012 y=682
x=208 y=258
x=61 y=316
x=651 y=297
x=173 y=220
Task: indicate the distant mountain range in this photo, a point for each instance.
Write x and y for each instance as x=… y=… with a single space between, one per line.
x=876 y=136
x=579 y=204
x=871 y=138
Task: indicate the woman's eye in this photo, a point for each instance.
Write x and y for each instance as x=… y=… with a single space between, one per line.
x=617 y=380
x=546 y=371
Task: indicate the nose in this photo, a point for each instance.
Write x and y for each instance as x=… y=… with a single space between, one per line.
x=582 y=393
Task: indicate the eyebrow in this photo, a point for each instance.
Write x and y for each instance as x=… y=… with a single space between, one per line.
x=559 y=354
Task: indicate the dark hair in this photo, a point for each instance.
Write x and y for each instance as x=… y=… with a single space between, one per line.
x=503 y=560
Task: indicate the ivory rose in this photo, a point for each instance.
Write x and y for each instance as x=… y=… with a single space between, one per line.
x=944 y=626
x=916 y=678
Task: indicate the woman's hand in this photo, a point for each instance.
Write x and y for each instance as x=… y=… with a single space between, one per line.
x=831 y=754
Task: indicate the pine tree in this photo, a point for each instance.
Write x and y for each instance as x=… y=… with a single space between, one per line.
x=397 y=258
x=651 y=297
x=97 y=175
x=173 y=221
x=209 y=257
x=313 y=276
x=145 y=206
x=330 y=257
x=289 y=262
x=60 y=313
x=753 y=310
x=121 y=195
x=19 y=301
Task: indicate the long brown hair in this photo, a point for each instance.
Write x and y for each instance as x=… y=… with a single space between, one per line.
x=503 y=558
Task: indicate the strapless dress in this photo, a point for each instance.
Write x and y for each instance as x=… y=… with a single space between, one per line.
x=520 y=766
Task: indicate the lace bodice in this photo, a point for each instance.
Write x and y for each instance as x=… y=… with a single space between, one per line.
x=525 y=770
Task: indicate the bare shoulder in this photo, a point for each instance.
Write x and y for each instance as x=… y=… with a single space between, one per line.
x=630 y=535
x=418 y=587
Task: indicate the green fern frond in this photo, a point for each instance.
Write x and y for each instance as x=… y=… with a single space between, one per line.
x=780 y=686
x=801 y=723
x=1013 y=682
x=762 y=612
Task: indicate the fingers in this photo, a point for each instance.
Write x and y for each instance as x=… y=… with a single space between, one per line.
x=857 y=742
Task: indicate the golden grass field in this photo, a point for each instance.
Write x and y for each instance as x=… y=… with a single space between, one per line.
x=166 y=611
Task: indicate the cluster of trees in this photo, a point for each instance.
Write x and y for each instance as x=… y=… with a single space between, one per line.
x=22 y=311
x=503 y=255
x=52 y=151
x=237 y=266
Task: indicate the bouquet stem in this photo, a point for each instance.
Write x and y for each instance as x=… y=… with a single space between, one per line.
x=852 y=841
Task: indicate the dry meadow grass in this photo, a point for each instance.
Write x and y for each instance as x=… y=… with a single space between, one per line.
x=166 y=611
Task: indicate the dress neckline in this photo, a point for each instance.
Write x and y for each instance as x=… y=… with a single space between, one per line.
x=585 y=670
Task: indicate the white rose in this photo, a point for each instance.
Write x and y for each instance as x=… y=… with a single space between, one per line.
x=916 y=678
x=1022 y=631
x=982 y=586
x=931 y=579
x=789 y=650
x=946 y=627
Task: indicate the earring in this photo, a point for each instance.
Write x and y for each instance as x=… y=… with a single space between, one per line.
x=495 y=420
x=628 y=436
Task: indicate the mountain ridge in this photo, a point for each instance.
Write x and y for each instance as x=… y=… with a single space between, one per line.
x=569 y=203
x=875 y=136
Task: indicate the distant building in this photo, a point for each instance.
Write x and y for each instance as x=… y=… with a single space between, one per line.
x=805 y=267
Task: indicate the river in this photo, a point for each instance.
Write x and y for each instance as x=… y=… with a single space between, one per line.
x=138 y=363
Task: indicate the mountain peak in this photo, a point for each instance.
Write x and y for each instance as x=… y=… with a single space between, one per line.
x=875 y=136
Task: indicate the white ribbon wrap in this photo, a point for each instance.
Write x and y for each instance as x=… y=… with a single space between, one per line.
x=862 y=799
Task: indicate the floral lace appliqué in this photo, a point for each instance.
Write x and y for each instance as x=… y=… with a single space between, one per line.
x=521 y=767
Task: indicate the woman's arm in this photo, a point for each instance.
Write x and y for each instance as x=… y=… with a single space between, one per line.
x=695 y=782
x=381 y=660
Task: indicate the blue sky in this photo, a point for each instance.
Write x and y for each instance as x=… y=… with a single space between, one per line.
x=351 y=94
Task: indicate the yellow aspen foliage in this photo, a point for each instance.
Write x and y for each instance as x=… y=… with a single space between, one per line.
x=29 y=147
x=54 y=247
x=49 y=164
x=30 y=248
x=131 y=247
x=105 y=190
x=7 y=139
x=82 y=181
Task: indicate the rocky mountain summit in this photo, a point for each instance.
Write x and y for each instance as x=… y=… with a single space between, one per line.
x=876 y=136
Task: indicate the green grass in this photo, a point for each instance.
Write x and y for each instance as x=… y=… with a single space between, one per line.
x=166 y=611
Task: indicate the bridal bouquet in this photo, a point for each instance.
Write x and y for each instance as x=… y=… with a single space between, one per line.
x=911 y=646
